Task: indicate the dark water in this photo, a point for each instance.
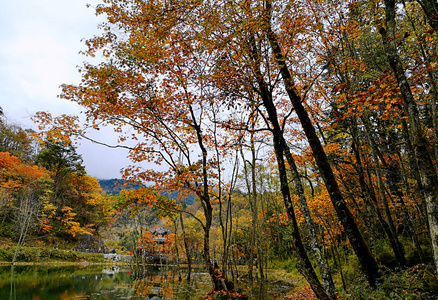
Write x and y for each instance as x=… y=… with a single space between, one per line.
x=106 y=282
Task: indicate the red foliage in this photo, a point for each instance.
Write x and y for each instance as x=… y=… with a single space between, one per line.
x=213 y=295
x=302 y=293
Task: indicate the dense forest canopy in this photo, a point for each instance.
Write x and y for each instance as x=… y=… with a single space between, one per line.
x=321 y=114
x=45 y=192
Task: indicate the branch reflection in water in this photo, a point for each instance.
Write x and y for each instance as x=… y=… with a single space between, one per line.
x=110 y=283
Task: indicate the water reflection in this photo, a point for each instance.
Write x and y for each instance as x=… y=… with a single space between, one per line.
x=95 y=282
x=105 y=282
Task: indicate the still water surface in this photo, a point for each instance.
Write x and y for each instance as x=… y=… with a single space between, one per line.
x=106 y=282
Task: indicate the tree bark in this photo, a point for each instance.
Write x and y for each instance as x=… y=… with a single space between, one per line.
x=324 y=268
x=428 y=173
x=189 y=258
x=304 y=265
x=204 y=196
x=367 y=261
x=430 y=8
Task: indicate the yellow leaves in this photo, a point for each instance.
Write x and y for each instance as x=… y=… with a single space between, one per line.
x=85 y=186
x=68 y=212
x=73 y=227
x=67 y=220
x=49 y=209
x=333 y=148
x=56 y=129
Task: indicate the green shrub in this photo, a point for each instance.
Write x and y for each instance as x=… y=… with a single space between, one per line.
x=6 y=253
x=35 y=254
x=352 y=273
x=289 y=265
x=385 y=256
x=418 y=282
x=412 y=255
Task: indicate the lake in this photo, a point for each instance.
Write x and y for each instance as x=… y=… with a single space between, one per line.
x=111 y=283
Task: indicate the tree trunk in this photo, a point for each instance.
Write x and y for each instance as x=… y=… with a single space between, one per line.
x=430 y=8
x=253 y=201
x=367 y=261
x=389 y=225
x=304 y=265
x=251 y=186
x=427 y=168
x=189 y=258
x=202 y=192
x=324 y=268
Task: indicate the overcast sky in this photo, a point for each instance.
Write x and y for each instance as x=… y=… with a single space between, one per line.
x=39 y=45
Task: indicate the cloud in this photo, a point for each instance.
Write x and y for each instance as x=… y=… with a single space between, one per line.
x=39 y=46
x=39 y=52
x=37 y=63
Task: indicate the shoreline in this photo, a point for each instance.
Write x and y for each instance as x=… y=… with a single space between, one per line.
x=56 y=263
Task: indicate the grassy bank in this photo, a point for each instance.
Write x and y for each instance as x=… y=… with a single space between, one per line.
x=43 y=255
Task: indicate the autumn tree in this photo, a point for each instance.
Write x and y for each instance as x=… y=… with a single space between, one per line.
x=345 y=65
x=370 y=61
x=160 y=78
x=25 y=191
x=15 y=140
x=185 y=84
x=429 y=178
x=80 y=207
x=61 y=159
x=371 y=114
x=147 y=84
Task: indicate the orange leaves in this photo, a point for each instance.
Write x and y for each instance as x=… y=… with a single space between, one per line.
x=382 y=98
x=47 y=228
x=162 y=244
x=73 y=227
x=56 y=129
x=7 y=161
x=143 y=197
x=280 y=218
x=138 y=199
x=324 y=214
x=301 y=293
x=15 y=174
x=333 y=148
x=147 y=242
x=212 y=295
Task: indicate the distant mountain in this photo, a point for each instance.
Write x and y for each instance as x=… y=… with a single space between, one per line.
x=189 y=200
x=114 y=186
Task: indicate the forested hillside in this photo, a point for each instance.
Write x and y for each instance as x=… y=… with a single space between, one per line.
x=46 y=196
x=115 y=186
